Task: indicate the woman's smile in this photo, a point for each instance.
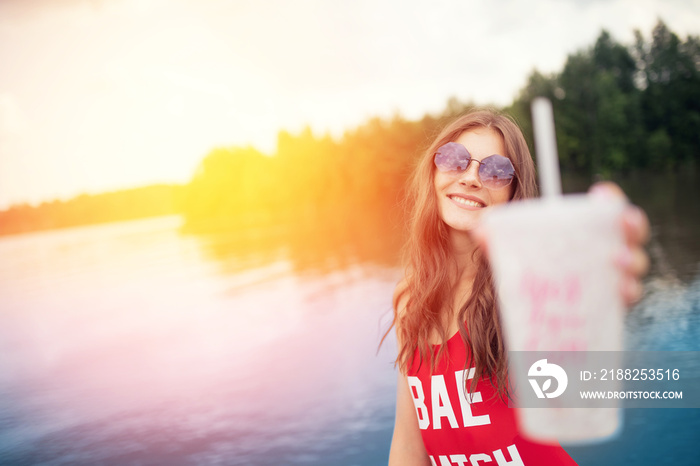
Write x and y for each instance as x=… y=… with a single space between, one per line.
x=466 y=202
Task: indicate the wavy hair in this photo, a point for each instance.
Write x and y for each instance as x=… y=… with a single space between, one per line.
x=427 y=254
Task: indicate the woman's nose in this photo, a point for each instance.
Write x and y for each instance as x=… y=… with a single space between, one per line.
x=470 y=177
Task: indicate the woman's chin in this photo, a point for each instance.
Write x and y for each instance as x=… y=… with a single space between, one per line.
x=462 y=227
x=463 y=223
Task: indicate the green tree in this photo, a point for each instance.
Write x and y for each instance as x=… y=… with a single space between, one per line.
x=670 y=101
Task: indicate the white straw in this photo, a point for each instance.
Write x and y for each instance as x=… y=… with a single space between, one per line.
x=546 y=147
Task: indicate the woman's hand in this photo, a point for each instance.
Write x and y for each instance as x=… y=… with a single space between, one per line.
x=633 y=259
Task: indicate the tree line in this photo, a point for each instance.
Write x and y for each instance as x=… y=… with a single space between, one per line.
x=618 y=108
x=126 y=204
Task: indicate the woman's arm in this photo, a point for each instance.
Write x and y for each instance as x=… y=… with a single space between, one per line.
x=406 y=444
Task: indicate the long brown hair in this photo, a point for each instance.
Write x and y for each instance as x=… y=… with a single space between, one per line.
x=427 y=254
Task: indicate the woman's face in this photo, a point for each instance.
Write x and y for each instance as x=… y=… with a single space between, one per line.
x=461 y=196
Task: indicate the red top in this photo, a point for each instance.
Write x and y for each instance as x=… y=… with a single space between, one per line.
x=461 y=431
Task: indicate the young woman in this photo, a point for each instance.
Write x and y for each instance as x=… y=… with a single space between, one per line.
x=452 y=388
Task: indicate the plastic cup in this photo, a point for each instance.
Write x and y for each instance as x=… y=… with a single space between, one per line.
x=557 y=285
x=558 y=291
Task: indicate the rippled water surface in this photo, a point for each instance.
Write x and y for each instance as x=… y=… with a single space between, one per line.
x=130 y=343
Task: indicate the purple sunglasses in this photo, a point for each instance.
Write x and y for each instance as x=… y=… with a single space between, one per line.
x=495 y=171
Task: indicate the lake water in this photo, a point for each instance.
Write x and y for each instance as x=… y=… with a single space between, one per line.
x=130 y=343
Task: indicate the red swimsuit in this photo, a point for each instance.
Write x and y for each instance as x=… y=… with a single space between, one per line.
x=464 y=431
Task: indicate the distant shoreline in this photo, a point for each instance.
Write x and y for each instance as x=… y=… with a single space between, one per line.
x=91 y=209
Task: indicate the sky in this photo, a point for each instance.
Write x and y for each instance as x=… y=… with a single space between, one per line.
x=112 y=94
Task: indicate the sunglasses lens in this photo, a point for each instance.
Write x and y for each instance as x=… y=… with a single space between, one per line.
x=452 y=157
x=496 y=171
